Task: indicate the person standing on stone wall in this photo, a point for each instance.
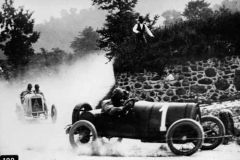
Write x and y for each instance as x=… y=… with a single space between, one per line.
x=140 y=29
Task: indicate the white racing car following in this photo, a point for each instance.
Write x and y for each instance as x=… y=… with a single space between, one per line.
x=34 y=106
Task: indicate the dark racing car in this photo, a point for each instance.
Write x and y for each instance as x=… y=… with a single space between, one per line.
x=180 y=125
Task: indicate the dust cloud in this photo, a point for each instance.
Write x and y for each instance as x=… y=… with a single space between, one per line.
x=87 y=80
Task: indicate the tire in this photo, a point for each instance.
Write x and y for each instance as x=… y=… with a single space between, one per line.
x=54 y=113
x=46 y=111
x=185 y=133
x=78 y=109
x=84 y=131
x=212 y=127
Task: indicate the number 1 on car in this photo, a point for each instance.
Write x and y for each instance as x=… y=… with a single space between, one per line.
x=163 y=109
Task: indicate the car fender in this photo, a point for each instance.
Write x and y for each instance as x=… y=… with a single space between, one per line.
x=79 y=109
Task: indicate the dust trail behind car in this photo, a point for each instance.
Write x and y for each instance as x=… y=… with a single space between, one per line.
x=87 y=80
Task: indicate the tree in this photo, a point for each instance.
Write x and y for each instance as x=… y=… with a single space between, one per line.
x=115 y=5
x=117 y=36
x=171 y=17
x=17 y=35
x=196 y=10
x=86 y=41
x=118 y=26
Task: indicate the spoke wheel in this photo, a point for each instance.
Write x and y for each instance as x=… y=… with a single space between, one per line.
x=214 y=131
x=185 y=137
x=82 y=132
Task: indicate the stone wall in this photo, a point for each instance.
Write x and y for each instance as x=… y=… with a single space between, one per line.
x=211 y=79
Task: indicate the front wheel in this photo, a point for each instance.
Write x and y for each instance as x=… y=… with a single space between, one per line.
x=54 y=114
x=185 y=137
x=214 y=131
x=82 y=132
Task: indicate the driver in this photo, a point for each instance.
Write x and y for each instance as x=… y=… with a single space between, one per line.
x=114 y=106
x=37 y=91
x=27 y=91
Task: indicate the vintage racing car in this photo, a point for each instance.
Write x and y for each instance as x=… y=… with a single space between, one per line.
x=180 y=125
x=34 y=106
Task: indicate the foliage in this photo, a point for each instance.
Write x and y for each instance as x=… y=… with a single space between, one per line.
x=216 y=36
x=55 y=57
x=86 y=42
x=117 y=37
x=118 y=26
x=196 y=10
x=48 y=62
x=115 y=5
x=44 y=62
x=17 y=35
x=205 y=36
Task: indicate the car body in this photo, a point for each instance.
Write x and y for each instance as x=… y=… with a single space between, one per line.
x=34 y=106
x=163 y=122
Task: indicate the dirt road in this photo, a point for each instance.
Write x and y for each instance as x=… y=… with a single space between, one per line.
x=87 y=81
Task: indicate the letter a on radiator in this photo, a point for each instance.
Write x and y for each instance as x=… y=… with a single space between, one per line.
x=36 y=105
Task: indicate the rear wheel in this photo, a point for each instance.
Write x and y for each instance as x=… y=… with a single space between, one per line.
x=185 y=137
x=214 y=131
x=82 y=132
x=54 y=114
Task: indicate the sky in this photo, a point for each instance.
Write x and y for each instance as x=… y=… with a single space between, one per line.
x=44 y=9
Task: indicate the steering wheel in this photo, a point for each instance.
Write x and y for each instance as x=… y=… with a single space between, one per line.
x=129 y=104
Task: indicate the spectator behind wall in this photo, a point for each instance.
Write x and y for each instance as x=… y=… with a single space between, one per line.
x=170 y=77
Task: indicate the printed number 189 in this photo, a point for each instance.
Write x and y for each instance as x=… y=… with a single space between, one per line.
x=9 y=157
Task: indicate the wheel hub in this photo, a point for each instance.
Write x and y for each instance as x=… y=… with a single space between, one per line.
x=184 y=138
